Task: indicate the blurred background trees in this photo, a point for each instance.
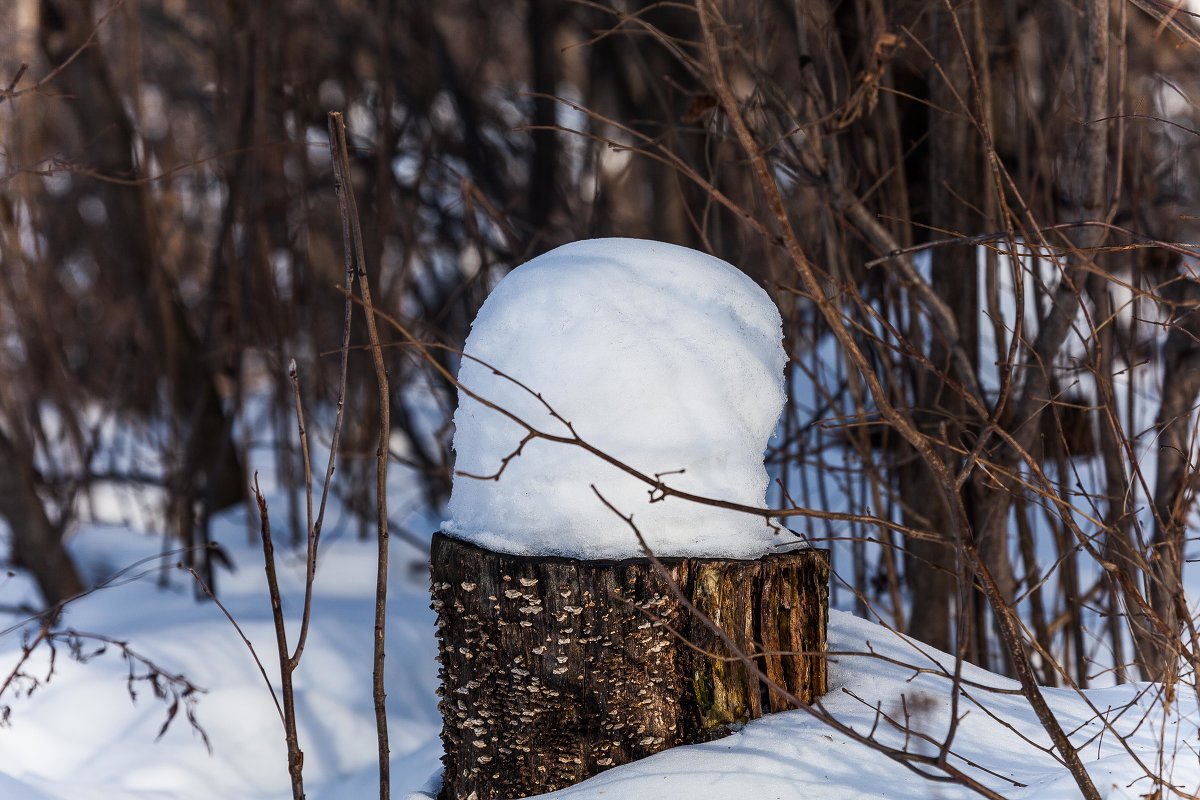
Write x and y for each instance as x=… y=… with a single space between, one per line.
x=990 y=196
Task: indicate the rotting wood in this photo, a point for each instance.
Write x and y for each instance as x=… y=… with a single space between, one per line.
x=555 y=669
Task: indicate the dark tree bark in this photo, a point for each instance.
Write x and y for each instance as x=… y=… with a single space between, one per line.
x=126 y=251
x=36 y=542
x=1174 y=489
x=555 y=669
x=955 y=189
x=540 y=25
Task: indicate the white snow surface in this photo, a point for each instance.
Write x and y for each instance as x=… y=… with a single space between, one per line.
x=999 y=741
x=1126 y=738
x=79 y=737
x=666 y=359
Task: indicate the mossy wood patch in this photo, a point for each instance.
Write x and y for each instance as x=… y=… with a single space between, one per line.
x=555 y=669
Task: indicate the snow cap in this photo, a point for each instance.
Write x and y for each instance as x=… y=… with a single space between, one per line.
x=667 y=359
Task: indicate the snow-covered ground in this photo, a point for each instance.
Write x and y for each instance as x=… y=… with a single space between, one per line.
x=80 y=736
x=1122 y=731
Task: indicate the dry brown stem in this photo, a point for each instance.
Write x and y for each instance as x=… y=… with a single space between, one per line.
x=352 y=236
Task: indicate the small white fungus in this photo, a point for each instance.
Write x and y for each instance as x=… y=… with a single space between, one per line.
x=668 y=359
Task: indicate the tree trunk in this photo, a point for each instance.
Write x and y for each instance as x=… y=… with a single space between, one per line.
x=555 y=669
x=1174 y=487
x=955 y=172
x=36 y=543
x=126 y=252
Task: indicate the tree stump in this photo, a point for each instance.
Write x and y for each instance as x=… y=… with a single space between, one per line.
x=555 y=669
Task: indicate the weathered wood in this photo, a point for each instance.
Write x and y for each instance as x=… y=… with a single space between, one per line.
x=554 y=669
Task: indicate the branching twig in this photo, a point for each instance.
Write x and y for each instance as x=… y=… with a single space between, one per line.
x=910 y=760
x=286 y=665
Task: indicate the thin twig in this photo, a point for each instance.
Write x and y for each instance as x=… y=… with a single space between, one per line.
x=12 y=93
x=656 y=486
x=311 y=551
x=286 y=667
x=245 y=640
x=352 y=241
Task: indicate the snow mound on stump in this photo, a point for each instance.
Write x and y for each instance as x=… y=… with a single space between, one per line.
x=668 y=359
